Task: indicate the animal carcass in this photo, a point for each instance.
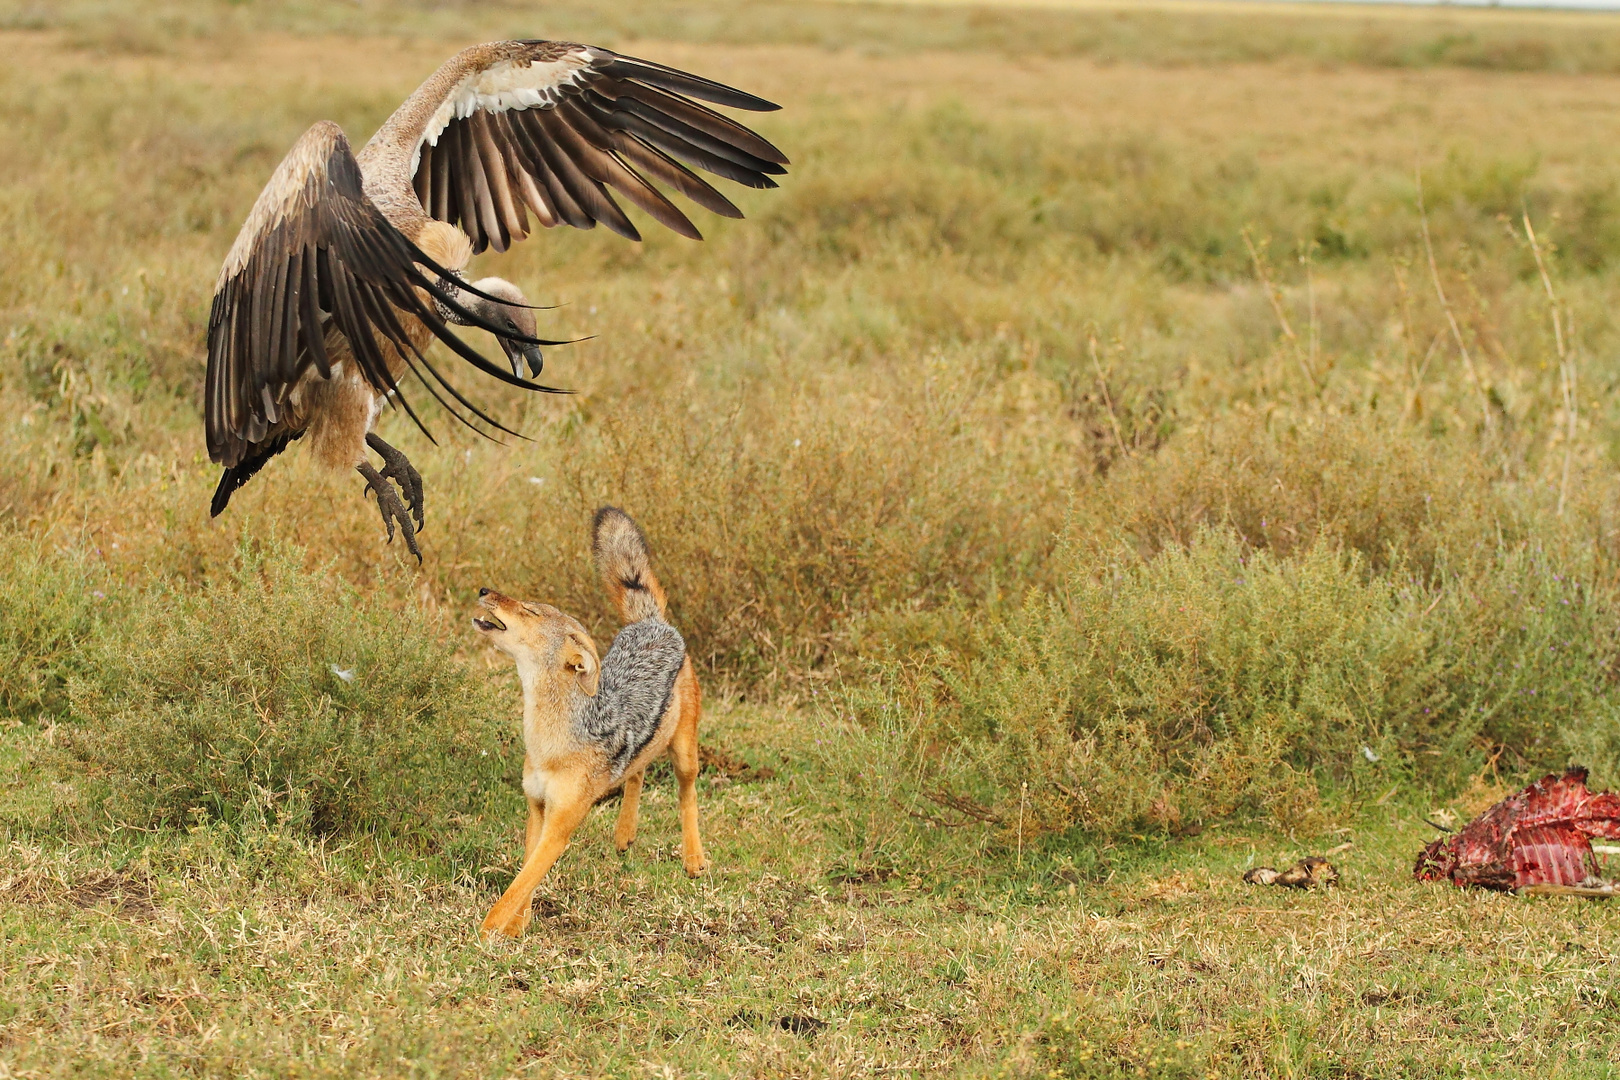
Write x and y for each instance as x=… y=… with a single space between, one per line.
x=1539 y=839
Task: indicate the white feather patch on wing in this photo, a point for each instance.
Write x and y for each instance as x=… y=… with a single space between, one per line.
x=500 y=87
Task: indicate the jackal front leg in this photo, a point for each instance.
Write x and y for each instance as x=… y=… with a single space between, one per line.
x=531 y=828
x=510 y=915
x=624 y=833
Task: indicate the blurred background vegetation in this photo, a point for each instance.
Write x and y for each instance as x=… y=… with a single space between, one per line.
x=1165 y=408
x=1139 y=441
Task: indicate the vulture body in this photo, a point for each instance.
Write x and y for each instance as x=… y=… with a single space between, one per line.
x=350 y=265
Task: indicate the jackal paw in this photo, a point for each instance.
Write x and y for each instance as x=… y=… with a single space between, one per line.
x=511 y=926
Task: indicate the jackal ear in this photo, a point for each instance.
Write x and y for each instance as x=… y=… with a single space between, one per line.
x=579 y=656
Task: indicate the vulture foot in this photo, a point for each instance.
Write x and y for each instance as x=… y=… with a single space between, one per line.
x=393 y=510
x=398 y=468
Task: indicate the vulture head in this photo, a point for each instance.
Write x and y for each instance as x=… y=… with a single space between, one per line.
x=515 y=314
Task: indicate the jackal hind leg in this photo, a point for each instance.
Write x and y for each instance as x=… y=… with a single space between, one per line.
x=683 y=752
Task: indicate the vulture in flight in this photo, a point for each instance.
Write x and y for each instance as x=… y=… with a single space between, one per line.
x=349 y=265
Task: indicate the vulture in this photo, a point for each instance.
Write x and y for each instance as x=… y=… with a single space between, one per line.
x=349 y=265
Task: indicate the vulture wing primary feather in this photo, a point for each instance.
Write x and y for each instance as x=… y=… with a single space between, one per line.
x=315 y=257
x=350 y=265
x=553 y=129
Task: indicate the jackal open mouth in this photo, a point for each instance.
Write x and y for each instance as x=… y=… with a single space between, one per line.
x=489 y=622
x=488 y=601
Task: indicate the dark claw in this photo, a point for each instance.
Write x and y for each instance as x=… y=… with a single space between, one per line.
x=399 y=469
x=391 y=508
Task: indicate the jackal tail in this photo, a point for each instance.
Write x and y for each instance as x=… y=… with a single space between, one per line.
x=625 y=564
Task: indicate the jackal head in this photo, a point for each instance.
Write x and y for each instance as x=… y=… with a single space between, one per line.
x=555 y=655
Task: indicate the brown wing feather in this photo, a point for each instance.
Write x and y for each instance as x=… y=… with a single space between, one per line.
x=314 y=257
x=557 y=127
x=495 y=170
x=464 y=162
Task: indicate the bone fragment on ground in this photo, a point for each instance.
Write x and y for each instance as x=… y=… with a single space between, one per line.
x=1309 y=872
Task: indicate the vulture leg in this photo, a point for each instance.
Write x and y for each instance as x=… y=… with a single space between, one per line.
x=401 y=472
x=389 y=504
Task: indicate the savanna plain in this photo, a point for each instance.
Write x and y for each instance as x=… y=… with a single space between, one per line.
x=1136 y=444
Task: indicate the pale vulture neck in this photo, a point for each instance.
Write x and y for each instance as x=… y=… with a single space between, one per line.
x=462 y=297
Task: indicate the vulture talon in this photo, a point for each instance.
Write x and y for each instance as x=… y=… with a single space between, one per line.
x=391 y=508
x=398 y=468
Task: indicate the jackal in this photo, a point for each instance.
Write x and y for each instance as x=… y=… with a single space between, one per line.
x=589 y=724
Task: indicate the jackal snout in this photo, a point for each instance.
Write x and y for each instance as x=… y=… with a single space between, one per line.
x=547 y=645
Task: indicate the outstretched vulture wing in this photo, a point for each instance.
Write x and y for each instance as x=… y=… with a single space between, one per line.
x=547 y=127
x=315 y=256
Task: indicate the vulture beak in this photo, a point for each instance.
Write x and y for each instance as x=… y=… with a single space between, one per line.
x=519 y=352
x=531 y=353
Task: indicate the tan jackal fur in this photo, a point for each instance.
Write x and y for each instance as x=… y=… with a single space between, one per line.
x=592 y=724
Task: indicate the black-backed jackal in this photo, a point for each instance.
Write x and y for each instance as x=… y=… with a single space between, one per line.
x=591 y=724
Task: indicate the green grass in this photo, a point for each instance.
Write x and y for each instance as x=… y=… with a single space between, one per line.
x=1059 y=481
x=242 y=951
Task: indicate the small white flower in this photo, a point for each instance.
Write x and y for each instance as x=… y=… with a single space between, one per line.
x=1367 y=752
x=346 y=676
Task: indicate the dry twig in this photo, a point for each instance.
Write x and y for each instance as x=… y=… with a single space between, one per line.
x=1102 y=384
x=1274 y=295
x=1563 y=335
x=1451 y=318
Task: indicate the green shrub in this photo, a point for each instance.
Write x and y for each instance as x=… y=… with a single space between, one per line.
x=1530 y=651
x=281 y=694
x=773 y=538
x=48 y=597
x=1218 y=680
x=1387 y=492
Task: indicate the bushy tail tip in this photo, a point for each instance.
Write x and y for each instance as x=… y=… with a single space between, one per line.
x=623 y=560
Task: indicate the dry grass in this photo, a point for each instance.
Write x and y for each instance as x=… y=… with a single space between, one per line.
x=998 y=346
x=1151 y=31
x=250 y=954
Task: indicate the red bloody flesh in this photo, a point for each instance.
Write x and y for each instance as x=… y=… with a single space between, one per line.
x=1541 y=836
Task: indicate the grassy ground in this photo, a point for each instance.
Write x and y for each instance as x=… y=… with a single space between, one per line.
x=956 y=456
x=247 y=953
